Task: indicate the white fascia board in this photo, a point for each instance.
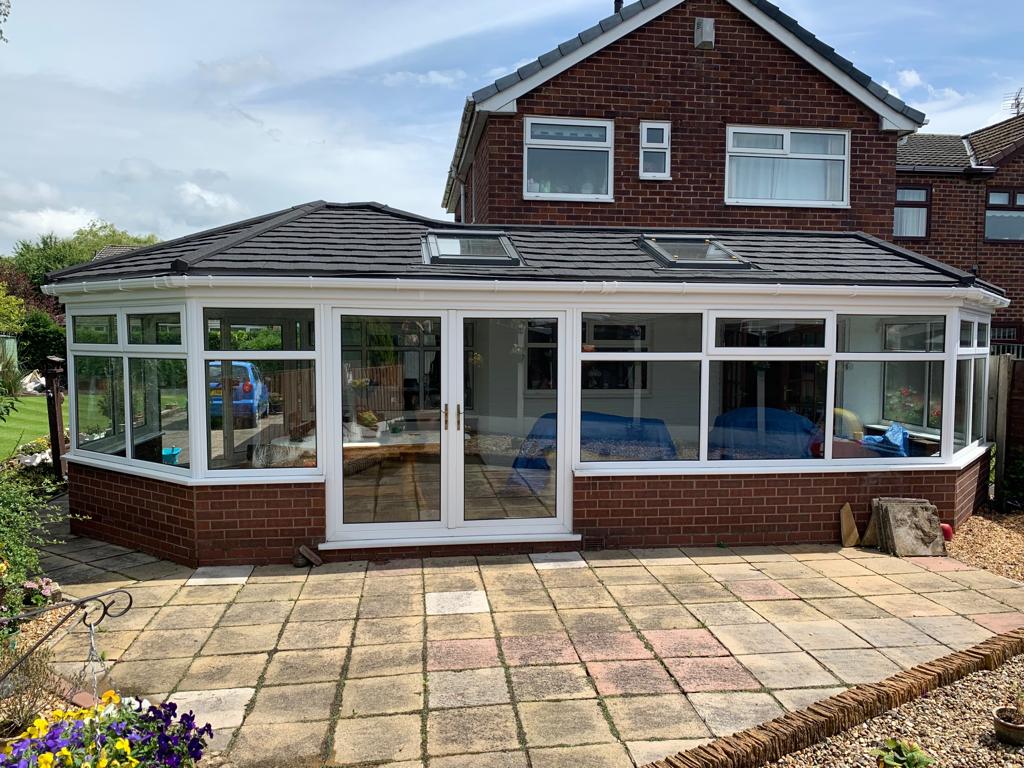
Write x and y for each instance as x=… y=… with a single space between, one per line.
x=983 y=299
x=891 y=119
x=500 y=99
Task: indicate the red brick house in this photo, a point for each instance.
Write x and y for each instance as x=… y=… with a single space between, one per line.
x=961 y=199
x=666 y=315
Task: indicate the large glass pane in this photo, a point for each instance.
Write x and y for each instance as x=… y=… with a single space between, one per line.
x=511 y=419
x=749 y=140
x=653 y=416
x=910 y=222
x=655 y=161
x=261 y=413
x=159 y=406
x=769 y=332
x=978 y=397
x=267 y=329
x=912 y=195
x=890 y=409
x=982 y=335
x=817 y=143
x=1004 y=225
x=566 y=171
x=641 y=332
x=452 y=246
x=890 y=333
x=961 y=399
x=163 y=328
x=766 y=409
x=99 y=404
x=391 y=414
x=94 y=329
x=966 y=333
x=786 y=178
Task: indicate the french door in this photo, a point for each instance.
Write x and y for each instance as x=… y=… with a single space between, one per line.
x=448 y=423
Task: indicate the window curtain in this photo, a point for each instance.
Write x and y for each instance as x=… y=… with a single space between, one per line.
x=910 y=222
x=785 y=178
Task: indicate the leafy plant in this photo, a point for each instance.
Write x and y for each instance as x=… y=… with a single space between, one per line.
x=24 y=519
x=42 y=337
x=27 y=691
x=368 y=419
x=901 y=753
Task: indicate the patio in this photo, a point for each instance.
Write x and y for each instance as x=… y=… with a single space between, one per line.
x=612 y=658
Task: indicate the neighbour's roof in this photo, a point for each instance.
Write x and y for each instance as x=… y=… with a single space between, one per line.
x=113 y=250
x=372 y=240
x=933 y=150
x=611 y=28
x=993 y=143
x=947 y=153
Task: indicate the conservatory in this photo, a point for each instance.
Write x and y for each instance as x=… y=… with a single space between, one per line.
x=359 y=379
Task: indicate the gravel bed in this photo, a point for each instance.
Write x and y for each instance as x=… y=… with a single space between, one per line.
x=993 y=542
x=952 y=724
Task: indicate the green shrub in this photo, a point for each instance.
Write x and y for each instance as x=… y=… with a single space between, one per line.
x=41 y=338
x=25 y=517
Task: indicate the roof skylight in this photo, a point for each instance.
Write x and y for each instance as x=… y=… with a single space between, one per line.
x=469 y=248
x=692 y=251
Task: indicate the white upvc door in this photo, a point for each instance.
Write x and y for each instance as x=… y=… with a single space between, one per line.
x=446 y=424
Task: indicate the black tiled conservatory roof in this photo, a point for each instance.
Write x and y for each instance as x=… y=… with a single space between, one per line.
x=372 y=240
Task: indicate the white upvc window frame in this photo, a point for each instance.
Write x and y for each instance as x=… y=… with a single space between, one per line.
x=200 y=389
x=974 y=353
x=663 y=147
x=607 y=146
x=786 y=134
x=126 y=352
x=757 y=353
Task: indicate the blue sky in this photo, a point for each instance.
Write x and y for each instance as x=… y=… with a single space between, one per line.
x=172 y=117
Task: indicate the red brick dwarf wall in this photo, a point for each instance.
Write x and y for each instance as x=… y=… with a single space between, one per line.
x=957 y=231
x=257 y=524
x=705 y=510
x=655 y=73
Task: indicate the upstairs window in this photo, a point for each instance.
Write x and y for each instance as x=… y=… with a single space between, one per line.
x=910 y=218
x=469 y=248
x=784 y=167
x=567 y=159
x=655 y=146
x=1004 y=215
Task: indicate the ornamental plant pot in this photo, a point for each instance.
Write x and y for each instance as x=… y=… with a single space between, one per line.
x=1009 y=725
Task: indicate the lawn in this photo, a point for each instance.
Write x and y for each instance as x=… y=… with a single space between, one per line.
x=27 y=423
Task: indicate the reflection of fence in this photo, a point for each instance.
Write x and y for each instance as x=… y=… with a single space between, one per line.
x=378 y=388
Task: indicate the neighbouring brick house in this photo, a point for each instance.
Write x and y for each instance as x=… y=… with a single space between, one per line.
x=961 y=199
x=667 y=314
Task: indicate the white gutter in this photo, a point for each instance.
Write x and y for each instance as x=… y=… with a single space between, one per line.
x=974 y=294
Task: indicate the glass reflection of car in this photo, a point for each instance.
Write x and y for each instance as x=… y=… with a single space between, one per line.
x=250 y=399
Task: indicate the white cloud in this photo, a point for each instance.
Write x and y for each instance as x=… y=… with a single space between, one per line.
x=447 y=78
x=26 y=193
x=206 y=202
x=27 y=224
x=909 y=78
x=890 y=88
x=497 y=72
x=241 y=70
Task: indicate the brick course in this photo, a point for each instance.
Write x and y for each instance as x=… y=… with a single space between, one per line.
x=258 y=524
x=655 y=73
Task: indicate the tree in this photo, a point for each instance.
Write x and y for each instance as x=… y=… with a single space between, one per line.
x=12 y=313
x=18 y=285
x=35 y=258
x=5 y=12
x=42 y=337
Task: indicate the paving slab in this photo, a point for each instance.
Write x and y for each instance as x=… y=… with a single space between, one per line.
x=888 y=633
x=467 y=688
x=592 y=756
x=542 y=683
x=954 y=631
x=726 y=713
x=551 y=560
x=315 y=634
x=670 y=643
x=217 y=672
x=719 y=673
x=555 y=648
x=382 y=695
x=912 y=655
x=466 y=601
x=1000 y=622
x=305 y=666
x=461 y=654
x=166 y=644
x=821 y=635
x=618 y=678
x=752 y=590
x=644 y=752
x=795 y=699
x=588 y=621
x=396 y=629
x=461 y=626
x=224 y=708
x=377 y=739
x=292 y=744
x=661 y=617
x=244 y=639
x=185 y=616
x=753 y=638
x=383 y=660
x=219 y=574
x=786 y=670
x=292 y=703
x=268 y=592
x=608 y=646
x=489 y=759
x=655 y=717
x=564 y=723
x=476 y=729
x=858 y=665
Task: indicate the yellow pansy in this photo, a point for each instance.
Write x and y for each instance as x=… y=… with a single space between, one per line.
x=45 y=760
x=109 y=697
x=123 y=745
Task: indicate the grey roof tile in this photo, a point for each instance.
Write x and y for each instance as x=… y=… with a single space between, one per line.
x=934 y=150
x=368 y=239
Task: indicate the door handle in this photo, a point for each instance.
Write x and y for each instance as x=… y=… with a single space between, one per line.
x=458 y=416
x=446 y=416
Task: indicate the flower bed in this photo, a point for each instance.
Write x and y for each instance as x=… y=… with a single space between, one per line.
x=116 y=733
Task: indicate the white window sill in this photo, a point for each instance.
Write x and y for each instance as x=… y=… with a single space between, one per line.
x=569 y=198
x=786 y=204
x=182 y=476
x=644 y=177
